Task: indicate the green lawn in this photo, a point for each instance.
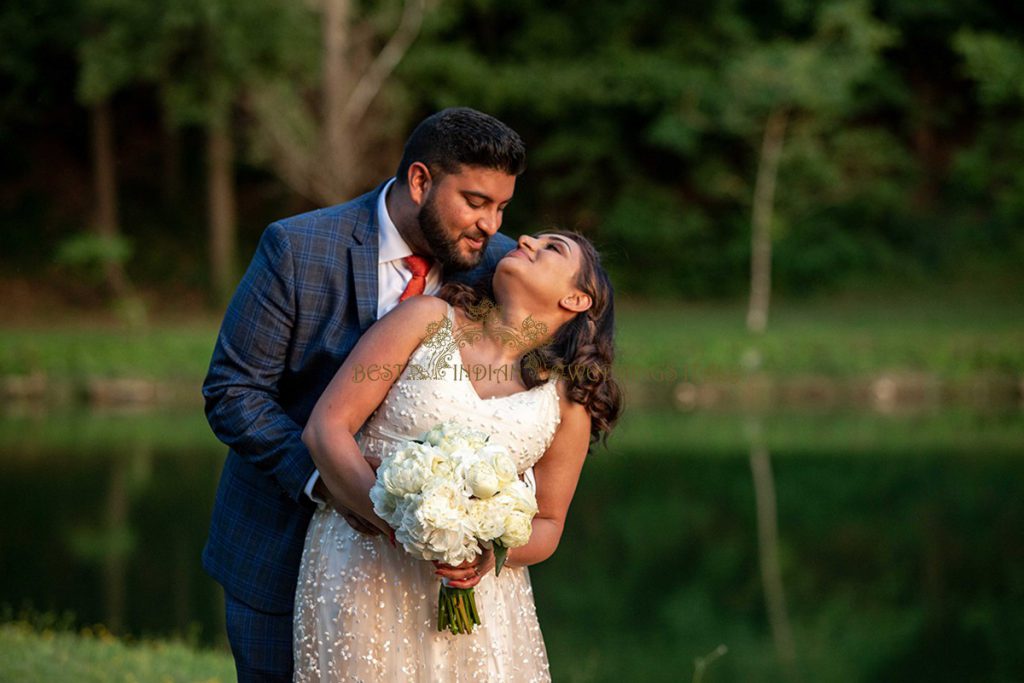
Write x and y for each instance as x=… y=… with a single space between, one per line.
x=31 y=656
x=948 y=336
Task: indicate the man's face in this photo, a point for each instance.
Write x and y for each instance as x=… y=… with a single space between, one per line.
x=462 y=211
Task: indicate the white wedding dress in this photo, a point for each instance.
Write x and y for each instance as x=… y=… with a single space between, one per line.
x=366 y=610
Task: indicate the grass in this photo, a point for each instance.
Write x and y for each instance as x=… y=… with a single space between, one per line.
x=30 y=655
x=951 y=337
x=835 y=338
x=160 y=352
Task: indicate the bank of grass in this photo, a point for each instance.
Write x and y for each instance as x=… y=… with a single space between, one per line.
x=950 y=336
x=32 y=655
x=944 y=334
x=159 y=351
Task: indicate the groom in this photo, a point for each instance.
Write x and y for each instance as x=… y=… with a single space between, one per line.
x=315 y=284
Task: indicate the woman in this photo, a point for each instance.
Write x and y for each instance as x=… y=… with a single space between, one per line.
x=365 y=609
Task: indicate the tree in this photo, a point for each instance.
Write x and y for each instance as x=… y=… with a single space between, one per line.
x=212 y=52
x=988 y=170
x=316 y=134
x=806 y=88
x=114 y=54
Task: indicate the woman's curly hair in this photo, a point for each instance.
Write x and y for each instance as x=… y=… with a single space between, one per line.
x=581 y=351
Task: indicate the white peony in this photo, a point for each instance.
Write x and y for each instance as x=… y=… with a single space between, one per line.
x=450 y=437
x=520 y=498
x=488 y=517
x=408 y=471
x=446 y=495
x=481 y=479
x=437 y=526
x=385 y=504
x=518 y=527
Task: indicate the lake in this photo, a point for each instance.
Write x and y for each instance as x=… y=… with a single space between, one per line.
x=815 y=546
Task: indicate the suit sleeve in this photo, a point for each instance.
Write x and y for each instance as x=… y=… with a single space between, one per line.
x=241 y=387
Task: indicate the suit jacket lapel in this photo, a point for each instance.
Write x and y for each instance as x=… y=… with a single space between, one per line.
x=364 y=256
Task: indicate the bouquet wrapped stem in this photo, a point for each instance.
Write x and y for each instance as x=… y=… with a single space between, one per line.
x=456 y=610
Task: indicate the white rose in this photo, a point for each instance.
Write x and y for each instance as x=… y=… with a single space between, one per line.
x=481 y=479
x=518 y=528
x=504 y=466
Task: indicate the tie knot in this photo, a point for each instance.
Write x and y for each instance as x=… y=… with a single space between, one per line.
x=419 y=265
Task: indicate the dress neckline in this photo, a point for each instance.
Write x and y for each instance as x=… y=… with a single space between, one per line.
x=469 y=382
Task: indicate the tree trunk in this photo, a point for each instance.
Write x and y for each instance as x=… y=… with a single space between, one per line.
x=761 y=221
x=337 y=84
x=768 y=547
x=115 y=560
x=170 y=186
x=106 y=222
x=332 y=168
x=222 y=211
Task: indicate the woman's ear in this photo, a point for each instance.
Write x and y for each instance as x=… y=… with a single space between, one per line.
x=577 y=302
x=419 y=181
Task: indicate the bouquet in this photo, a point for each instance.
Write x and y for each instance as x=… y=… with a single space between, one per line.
x=446 y=497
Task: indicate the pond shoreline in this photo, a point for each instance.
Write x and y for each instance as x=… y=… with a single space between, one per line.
x=884 y=392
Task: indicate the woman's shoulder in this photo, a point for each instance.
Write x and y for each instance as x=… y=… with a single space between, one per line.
x=415 y=314
x=569 y=410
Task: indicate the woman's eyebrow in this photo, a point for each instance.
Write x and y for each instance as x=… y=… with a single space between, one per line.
x=561 y=239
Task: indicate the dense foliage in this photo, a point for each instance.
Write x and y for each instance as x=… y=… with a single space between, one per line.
x=644 y=121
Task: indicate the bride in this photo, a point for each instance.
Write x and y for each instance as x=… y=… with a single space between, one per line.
x=533 y=373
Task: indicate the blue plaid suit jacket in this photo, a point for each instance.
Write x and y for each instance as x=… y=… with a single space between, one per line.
x=307 y=296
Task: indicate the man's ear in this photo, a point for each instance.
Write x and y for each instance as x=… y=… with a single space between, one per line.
x=419 y=180
x=577 y=302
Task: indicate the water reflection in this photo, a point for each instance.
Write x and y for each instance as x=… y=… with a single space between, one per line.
x=899 y=542
x=104 y=516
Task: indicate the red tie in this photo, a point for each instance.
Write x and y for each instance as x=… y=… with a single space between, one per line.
x=420 y=266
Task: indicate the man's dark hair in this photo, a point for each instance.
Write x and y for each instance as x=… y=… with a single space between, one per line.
x=461 y=136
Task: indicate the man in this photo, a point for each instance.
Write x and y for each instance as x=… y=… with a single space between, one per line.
x=315 y=284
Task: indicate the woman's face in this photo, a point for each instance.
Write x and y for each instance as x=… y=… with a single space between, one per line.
x=546 y=267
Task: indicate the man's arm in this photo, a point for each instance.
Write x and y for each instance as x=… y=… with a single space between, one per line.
x=241 y=387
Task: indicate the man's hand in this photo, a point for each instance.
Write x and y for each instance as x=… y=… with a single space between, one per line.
x=467 y=574
x=355 y=521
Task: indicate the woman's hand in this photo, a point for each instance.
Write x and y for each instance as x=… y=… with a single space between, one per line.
x=467 y=574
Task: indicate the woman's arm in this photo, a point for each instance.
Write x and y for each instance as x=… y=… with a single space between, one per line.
x=557 y=474
x=352 y=396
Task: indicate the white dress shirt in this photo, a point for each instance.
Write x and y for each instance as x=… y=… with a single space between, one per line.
x=392 y=277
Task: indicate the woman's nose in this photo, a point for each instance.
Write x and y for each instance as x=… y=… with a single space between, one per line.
x=528 y=242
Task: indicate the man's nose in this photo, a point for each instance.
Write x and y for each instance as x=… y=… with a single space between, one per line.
x=490 y=223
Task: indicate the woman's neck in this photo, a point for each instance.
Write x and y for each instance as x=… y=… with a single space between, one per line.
x=512 y=331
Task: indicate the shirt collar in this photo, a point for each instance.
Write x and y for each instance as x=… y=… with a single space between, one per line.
x=392 y=246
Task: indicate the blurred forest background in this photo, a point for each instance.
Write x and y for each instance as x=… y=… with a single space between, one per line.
x=841 y=477
x=146 y=144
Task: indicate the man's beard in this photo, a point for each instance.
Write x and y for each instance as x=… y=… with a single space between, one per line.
x=444 y=248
